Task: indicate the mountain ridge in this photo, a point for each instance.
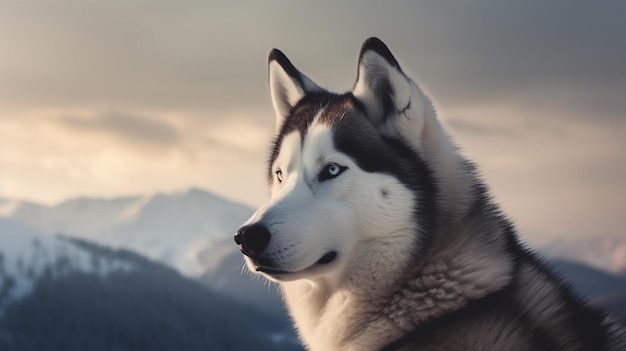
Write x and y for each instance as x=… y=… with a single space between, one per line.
x=82 y=295
x=180 y=229
x=26 y=255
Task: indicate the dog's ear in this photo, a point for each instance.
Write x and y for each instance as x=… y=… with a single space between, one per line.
x=393 y=102
x=287 y=85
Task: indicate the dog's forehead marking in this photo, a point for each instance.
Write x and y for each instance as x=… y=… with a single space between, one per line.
x=328 y=109
x=290 y=151
x=308 y=151
x=322 y=107
x=317 y=144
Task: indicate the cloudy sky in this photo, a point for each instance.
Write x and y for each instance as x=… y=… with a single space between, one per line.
x=108 y=98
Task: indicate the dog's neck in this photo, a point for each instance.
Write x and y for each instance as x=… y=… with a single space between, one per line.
x=359 y=312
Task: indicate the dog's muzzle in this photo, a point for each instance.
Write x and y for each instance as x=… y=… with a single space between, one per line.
x=252 y=239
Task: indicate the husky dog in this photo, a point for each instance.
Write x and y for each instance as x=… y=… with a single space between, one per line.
x=383 y=237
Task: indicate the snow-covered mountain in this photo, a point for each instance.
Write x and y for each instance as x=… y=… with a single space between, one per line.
x=190 y=231
x=26 y=255
x=71 y=294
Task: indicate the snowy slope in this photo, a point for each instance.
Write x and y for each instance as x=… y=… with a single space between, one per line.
x=84 y=217
x=76 y=295
x=26 y=255
x=190 y=231
x=187 y=230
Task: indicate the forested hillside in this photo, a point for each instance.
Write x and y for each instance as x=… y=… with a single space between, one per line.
x=151 y=307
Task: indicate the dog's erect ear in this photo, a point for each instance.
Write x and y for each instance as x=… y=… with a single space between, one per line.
x=392 y=101
x=381 y=85
x=287 y=85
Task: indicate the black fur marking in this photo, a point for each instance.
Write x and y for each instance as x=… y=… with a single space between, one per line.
x=373 y=152
x=325 y=173
x=355 y=136
x=300 y=118
x=494 y=303
x=384 y=94
x=283 y=61
x=356 y=103
x=327 y=258
x=585 y=320
x=376 y=45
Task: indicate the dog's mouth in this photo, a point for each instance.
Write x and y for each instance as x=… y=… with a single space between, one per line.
x=328 y=258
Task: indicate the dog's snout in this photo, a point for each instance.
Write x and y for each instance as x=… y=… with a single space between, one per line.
x=252 y=239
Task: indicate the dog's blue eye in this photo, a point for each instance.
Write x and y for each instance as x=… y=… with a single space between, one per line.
x=334 y=170
x=331 y=170
x=279 y=176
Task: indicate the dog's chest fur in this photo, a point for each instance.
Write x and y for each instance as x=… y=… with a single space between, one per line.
x=370 y=314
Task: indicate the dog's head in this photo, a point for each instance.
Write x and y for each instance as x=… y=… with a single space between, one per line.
x=346 y=172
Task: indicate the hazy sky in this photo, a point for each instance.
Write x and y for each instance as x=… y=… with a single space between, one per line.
x=107 y=98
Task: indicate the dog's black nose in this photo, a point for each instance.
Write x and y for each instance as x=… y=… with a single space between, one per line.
x=253 y=239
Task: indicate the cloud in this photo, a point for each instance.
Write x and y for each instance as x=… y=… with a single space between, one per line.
x=183 y=55
x=126 y=126
x=480 y=129
x=188 y=56
x=526 y=52
x=48 y=158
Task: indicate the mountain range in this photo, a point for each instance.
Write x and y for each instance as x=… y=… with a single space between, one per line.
x=73 y=255
x=71 y=294
x=189 y=231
